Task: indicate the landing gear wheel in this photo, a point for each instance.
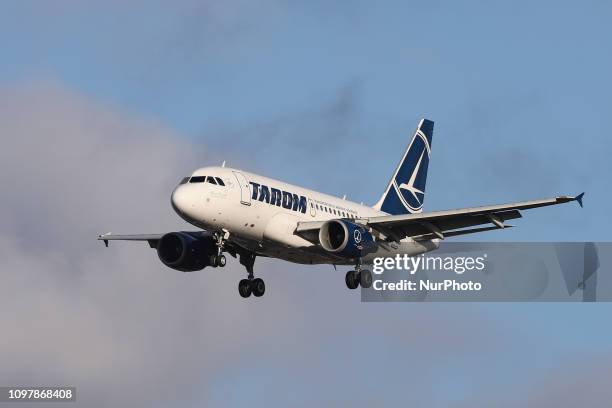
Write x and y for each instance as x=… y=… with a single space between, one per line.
x=244 y=288
x=352 y=279
x=365 y=278
x=214 y=261
x=258 y=287
x=221 y=261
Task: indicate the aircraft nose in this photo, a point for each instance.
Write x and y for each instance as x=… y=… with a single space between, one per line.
x=179 y=199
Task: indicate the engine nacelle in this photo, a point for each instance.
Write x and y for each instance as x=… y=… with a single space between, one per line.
x=346 y=238
x=184 y=252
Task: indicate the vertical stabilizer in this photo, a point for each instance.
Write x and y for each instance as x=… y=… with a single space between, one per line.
x=405 y=192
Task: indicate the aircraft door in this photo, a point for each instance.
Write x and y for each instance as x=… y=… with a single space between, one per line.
x=313 y=209
x=245 y=190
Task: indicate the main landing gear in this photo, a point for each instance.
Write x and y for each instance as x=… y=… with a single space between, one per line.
x=358 y=277
x=256 y=286
x=251 y=285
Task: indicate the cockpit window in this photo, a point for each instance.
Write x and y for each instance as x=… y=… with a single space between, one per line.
x=197 y=179
x=221 y=183
x=211 y=180
x=184 y=180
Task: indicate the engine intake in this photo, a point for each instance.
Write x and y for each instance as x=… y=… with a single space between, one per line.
x=184 y=252
x=346 y=238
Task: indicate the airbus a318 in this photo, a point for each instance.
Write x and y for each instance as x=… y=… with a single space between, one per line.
x=247 y=215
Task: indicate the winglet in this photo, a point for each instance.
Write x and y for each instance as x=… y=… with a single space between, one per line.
x=101 y=237
x=579 y=198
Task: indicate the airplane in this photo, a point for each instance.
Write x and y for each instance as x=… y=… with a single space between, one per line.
x=248 y=215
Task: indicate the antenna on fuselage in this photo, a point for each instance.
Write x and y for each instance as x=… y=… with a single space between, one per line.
x=223 y=164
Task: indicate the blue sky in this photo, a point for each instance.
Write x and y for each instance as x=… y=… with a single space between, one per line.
x=522 y=85
x=326 y=95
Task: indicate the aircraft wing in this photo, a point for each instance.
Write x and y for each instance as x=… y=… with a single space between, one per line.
x=150 y=238
x=441 y=224
x=231 y=247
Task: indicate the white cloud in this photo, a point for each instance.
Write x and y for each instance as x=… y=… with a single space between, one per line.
x=126 y=331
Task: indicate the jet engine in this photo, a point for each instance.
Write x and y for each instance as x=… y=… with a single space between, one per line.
x=346 y=238
x=185 y=252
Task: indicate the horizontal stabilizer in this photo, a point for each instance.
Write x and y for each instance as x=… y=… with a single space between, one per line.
x=579 y=198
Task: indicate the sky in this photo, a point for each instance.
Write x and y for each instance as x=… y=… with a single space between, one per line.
x=105 y=106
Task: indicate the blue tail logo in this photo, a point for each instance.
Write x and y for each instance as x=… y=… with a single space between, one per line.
x=406 y=190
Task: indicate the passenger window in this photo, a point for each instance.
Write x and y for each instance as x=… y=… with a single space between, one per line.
x=211 y=180
x=197 y=179
x=221 y=183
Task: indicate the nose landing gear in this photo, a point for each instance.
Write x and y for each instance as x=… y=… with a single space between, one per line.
x=218 y=259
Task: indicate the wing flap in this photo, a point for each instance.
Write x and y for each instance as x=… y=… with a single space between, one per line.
x=458 y=233
x=416 y=228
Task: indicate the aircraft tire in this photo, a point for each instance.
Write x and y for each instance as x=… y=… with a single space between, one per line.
x=258 y=287
x=214 y=261
x=352 y=279
x=221 y=261
x=244 y=288
x=365 y=278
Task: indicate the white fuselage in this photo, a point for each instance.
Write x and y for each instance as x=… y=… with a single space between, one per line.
x=261 y=215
